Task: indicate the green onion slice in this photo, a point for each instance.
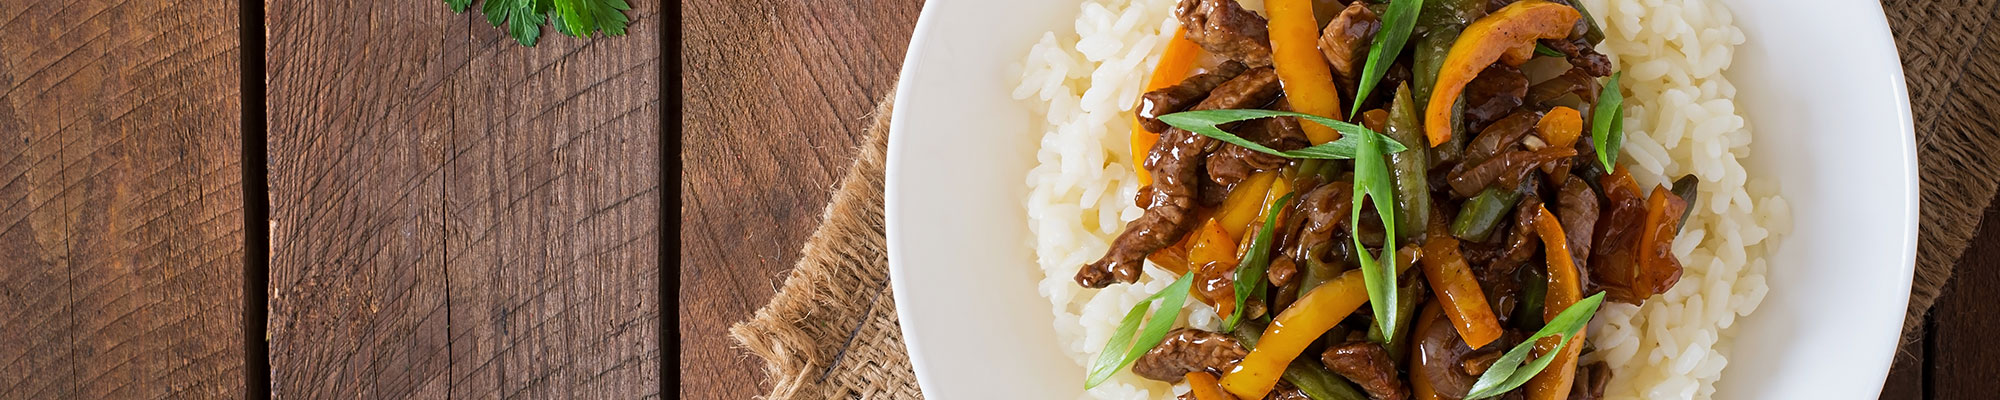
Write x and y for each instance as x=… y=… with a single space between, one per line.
x=1607 y=122
x=1250 y=275
x=1506 y=374
x=1121 y=350
x=1372 y=181
x=1206 y=123
x=1388 y=44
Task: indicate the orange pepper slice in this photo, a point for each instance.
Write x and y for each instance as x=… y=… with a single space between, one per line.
x=1565 y=289
x=1204 y=387
x=1561 y=127
x=1175 y=62
x=1508 y=34
x=1451 y=278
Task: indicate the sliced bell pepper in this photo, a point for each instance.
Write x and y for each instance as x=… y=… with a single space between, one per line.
x=1247 y=201
x=1565 y=288
x=1451 y=278
x=1308 y=80
x=1560 y=127
x=1174 y=257
x=1295 y=328
x=1658 y=269
x=1175 y=62
x=1506 y=35
x=1212 y=254
x=1204 y=387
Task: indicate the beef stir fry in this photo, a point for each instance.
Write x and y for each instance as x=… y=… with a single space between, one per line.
x=1385 y=200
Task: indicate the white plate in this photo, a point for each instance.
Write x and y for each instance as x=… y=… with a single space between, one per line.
x=1824 y=89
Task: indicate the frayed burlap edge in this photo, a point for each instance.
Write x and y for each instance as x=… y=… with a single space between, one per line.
x=831 y=332
x=1953 y=96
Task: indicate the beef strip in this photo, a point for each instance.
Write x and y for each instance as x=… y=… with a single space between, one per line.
x=1522 y=242
x=1175 y=163
x=1325 y=208
x=1368 y=365
x=1223 y=27
x=1281 y=270
x=1285 y=391
x=1212 y=194
x=1187 y=350
x=1230 y=164
x=1345 y=42
x=1498 y=90
x=1590 y=382
x=1575 y=81
x=1173 y=99
x=1581 y=55
x=1502 y=135
x=1506 y=171
x=1576 y=207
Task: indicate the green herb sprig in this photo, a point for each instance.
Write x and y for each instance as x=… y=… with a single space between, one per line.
x=1206 y=123
x=1250 y=275
x=1506 y=374
x=1372 y=181
x=523 y=19
x=1388 y=44
x=1122 y=350
x=1607 y=122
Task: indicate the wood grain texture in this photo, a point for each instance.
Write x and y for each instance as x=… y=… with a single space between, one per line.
x=1962 y=352
x=120 y=200
x=776 y=95
x=454 y=215
x=1906 y=376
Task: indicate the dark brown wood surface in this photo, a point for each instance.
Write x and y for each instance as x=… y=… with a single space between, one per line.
x=775 y=94
x=121 y=243
x=455 y=215
x=814 y=70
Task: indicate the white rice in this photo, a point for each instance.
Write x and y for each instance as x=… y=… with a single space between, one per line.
x=1680 y=119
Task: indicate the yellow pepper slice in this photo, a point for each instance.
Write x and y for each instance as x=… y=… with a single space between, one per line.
x=1305 y=320
x=1508 y=34
x=1214 y=255
x=1246 y=202
x=1308 y=80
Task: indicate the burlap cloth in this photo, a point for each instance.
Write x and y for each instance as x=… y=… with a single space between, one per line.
x=831 y=332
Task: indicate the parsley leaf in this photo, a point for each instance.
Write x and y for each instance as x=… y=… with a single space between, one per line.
x=523 y=19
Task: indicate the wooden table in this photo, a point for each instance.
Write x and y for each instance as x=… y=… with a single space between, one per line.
x=325 y=200
x=813 y=69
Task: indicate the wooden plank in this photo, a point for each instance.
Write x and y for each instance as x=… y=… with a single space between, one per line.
x=1962 y=352
x=554 y=230
x=121 y=264
x=454 y=215
x=797 y=75
x=1906 y=377
x=356 y=135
